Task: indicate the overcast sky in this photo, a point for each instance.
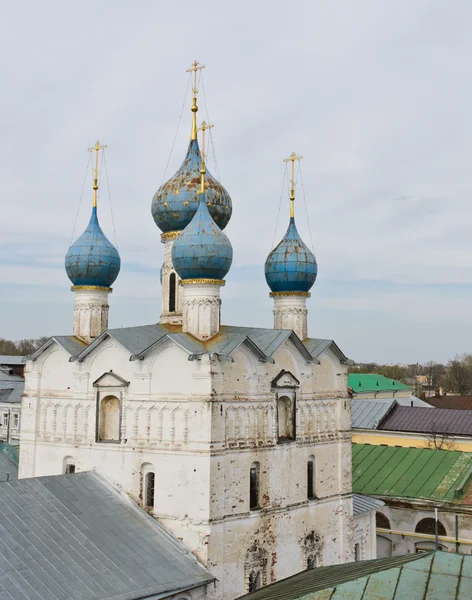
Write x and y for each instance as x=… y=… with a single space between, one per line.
x=376 y=96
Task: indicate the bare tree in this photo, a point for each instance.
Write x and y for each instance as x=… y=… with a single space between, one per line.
x=440 y=441
x=458 y=378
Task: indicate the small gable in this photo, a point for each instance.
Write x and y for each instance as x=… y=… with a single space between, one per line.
x=285 y=379
x=110 y=379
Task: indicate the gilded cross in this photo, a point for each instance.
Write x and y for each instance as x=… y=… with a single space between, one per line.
x=292 y=158
x=97 y=149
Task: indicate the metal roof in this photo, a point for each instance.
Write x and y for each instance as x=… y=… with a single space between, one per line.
x=11 y=387
x=412 y=401
x=422 y=420
x=362 y=504
x=369 y=382
x=456 y=402
x=75 y=537
x=8 y=466
x=424 y=576
x=6 y=359
x=139 y=341
x=367 y=414
x=392 y=471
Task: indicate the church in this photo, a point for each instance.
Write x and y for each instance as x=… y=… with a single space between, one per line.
x=236 y=439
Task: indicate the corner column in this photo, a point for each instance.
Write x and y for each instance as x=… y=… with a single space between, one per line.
x=201 y=307
x=90 y=311
x=290 y=312
x=171 y=293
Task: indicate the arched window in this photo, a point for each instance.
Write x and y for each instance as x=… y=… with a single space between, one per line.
x=311 y=494
x=382 y=521
x=70 y=469
x=68 y=465
x=285 y=419
x=149 y=481
x=254 y=485
x=172 y=290
x=428 y=526
x=254 y=581
x=109 y=425
x=357 y=552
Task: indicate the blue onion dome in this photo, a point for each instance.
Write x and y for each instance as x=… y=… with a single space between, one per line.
x=92 y=259
x=176 y=201
x=202 y=250
x=291 y=266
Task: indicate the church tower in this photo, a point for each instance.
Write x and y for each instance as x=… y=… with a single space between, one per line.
x=174 y=206
x=92 y=264
x=290 y=272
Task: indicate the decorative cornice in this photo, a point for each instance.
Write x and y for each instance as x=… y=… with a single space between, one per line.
x=278 y=294
x=169 y=235
x=91 y=288
x=202 y=282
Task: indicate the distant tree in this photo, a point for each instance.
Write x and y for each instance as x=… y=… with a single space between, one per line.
x=20 y=348
x=392 y=372
x=458 y=376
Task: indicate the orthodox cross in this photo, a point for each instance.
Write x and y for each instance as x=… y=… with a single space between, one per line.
x=292 y=158
x=97 y=149
x=203 y=127
x=194 y=68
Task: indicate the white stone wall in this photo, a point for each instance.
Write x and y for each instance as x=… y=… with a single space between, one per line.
x=90 y=312
x=167 y=316
x=364 y=535
x=290 y=312
x=199 y=425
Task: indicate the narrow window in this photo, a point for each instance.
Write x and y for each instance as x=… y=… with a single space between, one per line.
x=356 y=552
x=149 y=499
x=172 y=286
x=285 y=420
x=311 y=478
x=254 y=487
x=16 y=420
x=254 y=581
x=311 y=561
x=70 y=469
x=5 y=419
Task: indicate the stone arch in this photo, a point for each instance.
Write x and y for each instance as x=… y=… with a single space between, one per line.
x=179 y=425
x=428 y=526
x=153 y=424
x=312 y=548
x=148 y=485
x=382 y=521
x=166 y=424
x=230 y=424
x=68 y=465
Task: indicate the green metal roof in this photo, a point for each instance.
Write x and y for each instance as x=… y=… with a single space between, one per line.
x=427 y=576
x=443 y=475
x=368 y=382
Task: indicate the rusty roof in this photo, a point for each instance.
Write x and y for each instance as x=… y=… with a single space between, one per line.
x=417 y=419
x=456 y=402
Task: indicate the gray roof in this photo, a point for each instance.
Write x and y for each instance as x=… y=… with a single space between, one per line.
x=8 y=467
x=412 y=401
x=362 y=504
x=75 y=537
x=422 y=420
x=367 y=414
x=11 y=386
x=141 y=340
x=6 y=359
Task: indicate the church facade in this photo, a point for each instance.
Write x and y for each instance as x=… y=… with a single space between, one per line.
x=237 y=439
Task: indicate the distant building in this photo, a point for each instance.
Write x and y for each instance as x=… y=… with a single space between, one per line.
x=425 y=576
x=455 y=402
x=368 y=385
x=11 y=391
x=386 y=422
x=412 y=482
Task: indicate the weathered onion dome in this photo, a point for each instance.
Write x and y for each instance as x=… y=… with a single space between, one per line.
x=176 y=201
x=202 y=250
x=291 y=266
x=92 y=259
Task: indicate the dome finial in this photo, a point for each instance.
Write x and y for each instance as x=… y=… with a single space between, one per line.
x=292 y=158
x=195 y=67
x=97 y=149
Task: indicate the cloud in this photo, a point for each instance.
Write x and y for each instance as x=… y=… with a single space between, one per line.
x=373 y=95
